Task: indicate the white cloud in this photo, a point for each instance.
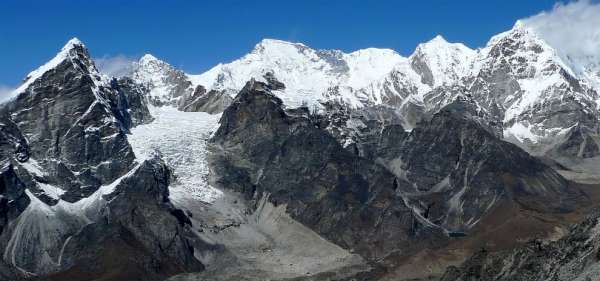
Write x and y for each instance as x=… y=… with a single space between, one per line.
x=117 y=66
x=572 y=28
x=6 y=93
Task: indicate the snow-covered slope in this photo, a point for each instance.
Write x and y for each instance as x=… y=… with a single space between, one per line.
x=308 y=74
x=360 y=78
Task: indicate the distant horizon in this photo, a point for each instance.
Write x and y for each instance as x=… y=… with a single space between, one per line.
x=122 y=32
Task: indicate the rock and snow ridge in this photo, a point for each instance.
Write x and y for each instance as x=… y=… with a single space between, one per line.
x=533 y=92
x=307 y=73
x=376 y=76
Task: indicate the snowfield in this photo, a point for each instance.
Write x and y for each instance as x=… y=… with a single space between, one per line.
x=181 y=139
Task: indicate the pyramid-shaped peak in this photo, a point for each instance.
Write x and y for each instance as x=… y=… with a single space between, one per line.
x=439 y=46
x=438 y=39
x=440 y=42
x=73 y=42
x=148 y=58
x=72 y=50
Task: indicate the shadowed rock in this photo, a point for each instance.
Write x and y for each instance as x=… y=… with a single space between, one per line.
x=260 y=149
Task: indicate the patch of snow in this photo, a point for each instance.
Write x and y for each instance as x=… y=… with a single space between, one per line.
x=33 y=167
x=521 y=132
x=51 y=190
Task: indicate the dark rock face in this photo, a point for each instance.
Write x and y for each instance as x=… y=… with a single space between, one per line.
x=272 y=82
x=130 y=103
x=367 y=132
x=12 y=195
x=212 y=102
x=262 y=150
x=573 y=257
x=457 y=164
x=12 y=143
x=459 y=170
x=127 y=232
x=75 y=125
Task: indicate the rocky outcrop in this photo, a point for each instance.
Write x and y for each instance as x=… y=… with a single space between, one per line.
x=260 y=149
x=572 y=258
x=579 y=142
x=12 y=143
x=129 y=102
x=212 y=102
x=12 y=195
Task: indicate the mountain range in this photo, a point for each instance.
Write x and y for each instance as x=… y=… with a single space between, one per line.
x=292 y=163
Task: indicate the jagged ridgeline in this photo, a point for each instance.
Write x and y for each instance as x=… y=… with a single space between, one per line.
x=298 y=164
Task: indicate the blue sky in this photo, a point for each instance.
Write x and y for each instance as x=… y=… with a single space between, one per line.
x=195 y=35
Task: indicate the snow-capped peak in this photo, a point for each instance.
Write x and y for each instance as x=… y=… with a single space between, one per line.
x=269 y=45
x=368 y=65
x=68 y=51
x=438 y=39
x=164 y=81
x=72 y=43
x=148 y=58
x=440 y=62
x=307 y=73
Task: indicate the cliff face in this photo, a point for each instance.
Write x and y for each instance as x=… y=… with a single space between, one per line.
x=260 y=149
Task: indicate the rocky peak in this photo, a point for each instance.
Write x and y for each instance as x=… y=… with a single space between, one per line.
x=149 y=58
x=74 y=53
x=165 y=83
x=523 y=54
x=70 y=117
